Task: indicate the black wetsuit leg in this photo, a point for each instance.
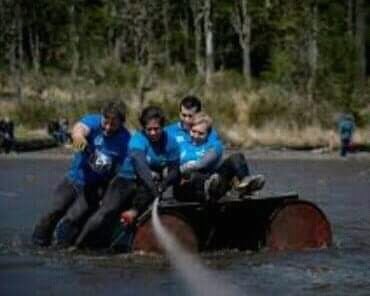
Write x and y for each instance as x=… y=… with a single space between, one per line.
x=117 y=198
x=65 y=194
x=191 y=190
x=233 y=166
x=87 y=203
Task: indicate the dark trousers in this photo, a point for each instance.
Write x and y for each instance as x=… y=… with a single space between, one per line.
x=344 y=148
x=234 y=166
x=119 y=197
x=65 y=194
x=70 y=203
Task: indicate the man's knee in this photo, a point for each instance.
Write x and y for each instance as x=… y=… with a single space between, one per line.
x=237 y=157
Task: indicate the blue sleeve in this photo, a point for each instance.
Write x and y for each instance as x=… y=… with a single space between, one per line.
x=216 y=142
x=173 y=154
x=170 y=129
x=137 y=142
x=125 y=142
x=93 y=121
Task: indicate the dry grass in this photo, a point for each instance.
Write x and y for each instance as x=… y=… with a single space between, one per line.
x=276 y=136
x=23 y=133
x=267 y=115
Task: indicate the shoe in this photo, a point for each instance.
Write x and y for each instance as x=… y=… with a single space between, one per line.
x=40 y=238
x=250 y=184
x=65 y=233
x=210 y=185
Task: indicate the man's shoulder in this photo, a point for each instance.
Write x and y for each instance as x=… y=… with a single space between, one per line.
x=124 y=133
x=171 y=142
x=174 y=126
x=92 y=120
x=138 y=138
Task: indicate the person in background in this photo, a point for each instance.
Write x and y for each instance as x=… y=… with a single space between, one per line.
x=100 y=141
x=65 y=136
x=7 y=134
x=205 y=176
x=346 y=128
x=152 y=165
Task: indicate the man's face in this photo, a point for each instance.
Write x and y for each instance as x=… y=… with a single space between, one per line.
x=110 y=124
x=186 y=116
x=199 y=133
x=153 y=130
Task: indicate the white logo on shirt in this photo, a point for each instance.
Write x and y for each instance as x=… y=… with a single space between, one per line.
x=180 y=139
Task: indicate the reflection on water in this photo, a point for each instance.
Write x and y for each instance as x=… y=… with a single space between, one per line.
x=340 y=188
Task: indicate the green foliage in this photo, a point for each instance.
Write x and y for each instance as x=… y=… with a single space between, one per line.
x=104 y=44
x=34 y=113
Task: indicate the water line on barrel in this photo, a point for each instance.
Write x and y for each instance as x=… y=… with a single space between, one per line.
x=199 y=279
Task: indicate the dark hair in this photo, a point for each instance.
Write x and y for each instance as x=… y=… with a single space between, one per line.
x=117 y=109
x=152 y=112
x=190 y=102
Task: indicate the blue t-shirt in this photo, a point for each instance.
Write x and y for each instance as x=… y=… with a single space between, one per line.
x=181 y=134
x=191 y=151
x=158 y=155
x=346 y=128
x=103 y=155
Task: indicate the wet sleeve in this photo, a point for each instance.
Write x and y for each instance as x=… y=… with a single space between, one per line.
x=216 y=142
x=208 y=159
x=142 y=170
x=173 y=165
x=173 y=175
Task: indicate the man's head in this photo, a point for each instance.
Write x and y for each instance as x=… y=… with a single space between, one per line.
x=152 y=120
x=114 y=115
x=189 y=106
x=202 y=125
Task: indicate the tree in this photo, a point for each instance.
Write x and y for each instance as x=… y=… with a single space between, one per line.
x=361 y=41
x=241 y=22
x=208 y=34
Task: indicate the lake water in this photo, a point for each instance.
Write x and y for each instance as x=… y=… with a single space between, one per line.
x=341 y=188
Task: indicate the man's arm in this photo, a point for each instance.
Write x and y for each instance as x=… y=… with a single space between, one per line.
x=79 y=133
x=142 y=170
x=207 y=160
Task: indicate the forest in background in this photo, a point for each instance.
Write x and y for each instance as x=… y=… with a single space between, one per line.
x=270 y=71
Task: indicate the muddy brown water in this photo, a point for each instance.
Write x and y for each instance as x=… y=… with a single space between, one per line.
x=341 y=188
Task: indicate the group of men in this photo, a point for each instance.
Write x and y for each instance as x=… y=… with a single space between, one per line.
x=118 y=175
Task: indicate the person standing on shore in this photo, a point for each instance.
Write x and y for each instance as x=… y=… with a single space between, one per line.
x=100 y=141
x=7 y=134
x=346 y=128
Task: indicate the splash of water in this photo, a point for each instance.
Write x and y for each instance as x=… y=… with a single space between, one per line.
x=199 y=279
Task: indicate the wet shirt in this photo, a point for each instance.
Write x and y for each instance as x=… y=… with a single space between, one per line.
x=181 y=134
x=103 y=155
x=158 y=156
x=191 y=151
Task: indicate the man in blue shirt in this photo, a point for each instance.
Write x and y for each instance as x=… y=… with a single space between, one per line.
x=180 y=130
x=101 y=142
x=140 y=179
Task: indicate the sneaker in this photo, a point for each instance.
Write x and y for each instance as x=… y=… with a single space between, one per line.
x=40 y=238
x=210 y=185
x=65 y=233
x=251 y=183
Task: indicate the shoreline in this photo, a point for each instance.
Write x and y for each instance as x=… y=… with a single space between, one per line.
x=268 y=153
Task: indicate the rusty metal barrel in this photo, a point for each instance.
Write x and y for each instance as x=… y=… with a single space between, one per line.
x=278 y=222
x=297 y=225
x=145 y=239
